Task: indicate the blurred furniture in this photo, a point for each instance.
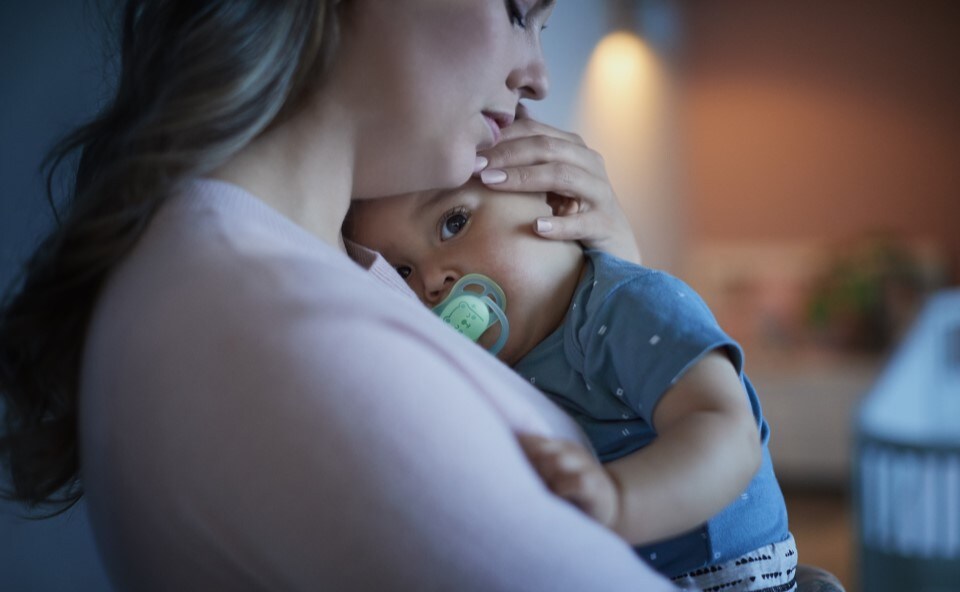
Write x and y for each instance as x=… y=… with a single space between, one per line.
x=809 y=399
x=907 y=468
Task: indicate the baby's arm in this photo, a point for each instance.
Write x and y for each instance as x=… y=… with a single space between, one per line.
x=706 y=451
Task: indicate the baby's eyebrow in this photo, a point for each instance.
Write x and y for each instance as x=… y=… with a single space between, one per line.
x=437 y=197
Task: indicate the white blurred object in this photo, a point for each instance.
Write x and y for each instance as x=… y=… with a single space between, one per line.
x=908 y=459
x=917 y=398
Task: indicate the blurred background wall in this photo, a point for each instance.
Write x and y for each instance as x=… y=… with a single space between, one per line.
x=51 y=78
x=760 y=147
x=822 y=119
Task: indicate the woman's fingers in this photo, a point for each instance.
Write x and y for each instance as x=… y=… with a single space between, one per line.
x=561 y=178
x=584 y=206
x=538 y=158
x=611 y=234
x=526 y=149
x=524 y=126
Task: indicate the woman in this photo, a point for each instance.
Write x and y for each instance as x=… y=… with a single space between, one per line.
x=195 y=338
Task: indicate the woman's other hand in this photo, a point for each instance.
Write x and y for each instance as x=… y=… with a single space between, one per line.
x=535 y=157
x=571 y=472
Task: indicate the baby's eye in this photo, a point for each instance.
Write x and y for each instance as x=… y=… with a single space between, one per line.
x=453 y=222
x=404 y=271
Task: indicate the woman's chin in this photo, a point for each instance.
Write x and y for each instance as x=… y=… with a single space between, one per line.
x=459 y=172
x=456 y=167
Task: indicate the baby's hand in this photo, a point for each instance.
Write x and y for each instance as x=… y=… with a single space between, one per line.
x=571 y=472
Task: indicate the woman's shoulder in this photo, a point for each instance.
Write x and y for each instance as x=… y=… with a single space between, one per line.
x=220 y=287
x=219 y=250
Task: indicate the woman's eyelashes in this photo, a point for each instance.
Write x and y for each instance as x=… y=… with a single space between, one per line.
x=519 y=18
x=516 y=15
x=453 y=222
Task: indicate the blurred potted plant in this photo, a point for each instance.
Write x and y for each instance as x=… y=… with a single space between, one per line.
x=866 y=295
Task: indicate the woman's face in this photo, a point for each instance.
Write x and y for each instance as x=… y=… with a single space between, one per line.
x=431 y=82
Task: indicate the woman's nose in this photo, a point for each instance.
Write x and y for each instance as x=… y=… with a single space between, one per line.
x=530 y=78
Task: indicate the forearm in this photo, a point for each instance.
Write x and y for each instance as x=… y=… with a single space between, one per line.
x=684 y=477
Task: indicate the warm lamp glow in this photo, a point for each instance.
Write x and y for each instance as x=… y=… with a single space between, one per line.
x=622 y=86
x=625 y=116
x=620 y=58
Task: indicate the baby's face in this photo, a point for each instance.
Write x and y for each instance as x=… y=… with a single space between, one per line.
x=434 y=238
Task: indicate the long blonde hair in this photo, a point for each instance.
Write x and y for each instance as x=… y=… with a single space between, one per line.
x=197 y=82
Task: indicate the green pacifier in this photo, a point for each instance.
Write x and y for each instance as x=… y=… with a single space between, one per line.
x=475 y=304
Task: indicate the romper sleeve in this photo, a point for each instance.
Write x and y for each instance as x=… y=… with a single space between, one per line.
x=645 y=333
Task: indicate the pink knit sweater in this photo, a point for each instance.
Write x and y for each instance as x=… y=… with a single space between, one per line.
x=260 y=412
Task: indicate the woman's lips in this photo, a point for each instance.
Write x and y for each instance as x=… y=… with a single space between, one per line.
x=496 y=121
x=494 y=129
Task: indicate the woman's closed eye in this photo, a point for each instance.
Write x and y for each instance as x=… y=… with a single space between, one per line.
x=453 y=222
x=516 y=15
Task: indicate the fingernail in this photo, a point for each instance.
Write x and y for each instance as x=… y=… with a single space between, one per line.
x=544 y=225
x=493 y=176
x=480 y=164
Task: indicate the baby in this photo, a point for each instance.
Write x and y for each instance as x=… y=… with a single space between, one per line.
x=633 y=354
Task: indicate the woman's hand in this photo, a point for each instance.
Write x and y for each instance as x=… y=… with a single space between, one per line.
x=536 y=157
x=571 y=472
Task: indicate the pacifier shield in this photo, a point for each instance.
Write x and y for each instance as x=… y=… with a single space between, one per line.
x=475 y=304
x=467 y=314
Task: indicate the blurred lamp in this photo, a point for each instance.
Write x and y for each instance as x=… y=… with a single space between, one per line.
x=625 y=114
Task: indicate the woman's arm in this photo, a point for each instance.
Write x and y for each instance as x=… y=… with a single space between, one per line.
x=537 y=157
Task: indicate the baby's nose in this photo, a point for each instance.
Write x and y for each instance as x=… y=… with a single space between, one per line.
x=437 y=287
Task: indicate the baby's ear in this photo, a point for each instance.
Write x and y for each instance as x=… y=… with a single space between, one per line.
x=562 y=206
